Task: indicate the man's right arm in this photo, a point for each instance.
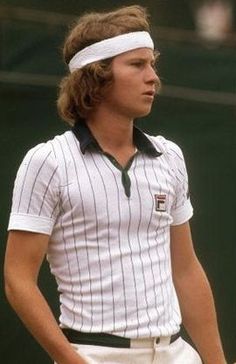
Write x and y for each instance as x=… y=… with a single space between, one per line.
x=24 y=255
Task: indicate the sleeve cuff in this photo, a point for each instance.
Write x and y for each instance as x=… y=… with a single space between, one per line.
x=25 y=222
x=182 y=214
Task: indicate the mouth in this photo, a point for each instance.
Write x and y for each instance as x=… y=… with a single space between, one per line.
x=149 y=93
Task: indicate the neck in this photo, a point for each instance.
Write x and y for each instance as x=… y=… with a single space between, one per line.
x=114 y=133
x=111 y=131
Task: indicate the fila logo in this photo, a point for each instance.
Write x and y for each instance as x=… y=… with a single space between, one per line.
x=160 y=202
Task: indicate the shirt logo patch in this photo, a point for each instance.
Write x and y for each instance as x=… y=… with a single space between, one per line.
x=160 y=202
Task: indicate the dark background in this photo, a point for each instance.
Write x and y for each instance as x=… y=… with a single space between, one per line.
x=196 y=109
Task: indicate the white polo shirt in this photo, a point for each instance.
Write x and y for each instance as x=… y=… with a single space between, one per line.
x=110 y=243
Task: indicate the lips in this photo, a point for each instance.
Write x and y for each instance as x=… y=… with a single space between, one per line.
x=149 y=93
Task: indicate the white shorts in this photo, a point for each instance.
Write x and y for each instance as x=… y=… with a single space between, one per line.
x=179 y=352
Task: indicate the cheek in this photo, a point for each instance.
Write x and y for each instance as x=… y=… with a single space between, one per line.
x=120 y=92
x=126 y=81
x=126 y=88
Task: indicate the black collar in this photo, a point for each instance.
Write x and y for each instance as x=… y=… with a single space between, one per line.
x=86 y=139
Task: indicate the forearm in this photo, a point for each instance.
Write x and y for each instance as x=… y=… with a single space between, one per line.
x=199 y=315
x=32 y=308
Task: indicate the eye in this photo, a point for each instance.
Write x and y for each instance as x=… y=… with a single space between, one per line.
x=137 y=64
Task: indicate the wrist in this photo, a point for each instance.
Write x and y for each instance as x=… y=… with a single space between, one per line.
x=223 y=361
x=71 y=357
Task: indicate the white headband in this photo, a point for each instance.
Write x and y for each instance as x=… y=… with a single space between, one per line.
x=110 y=47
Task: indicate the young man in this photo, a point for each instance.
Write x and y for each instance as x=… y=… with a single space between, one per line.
x=109 y=206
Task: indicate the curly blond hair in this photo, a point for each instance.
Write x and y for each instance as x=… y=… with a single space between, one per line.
x=84 y=88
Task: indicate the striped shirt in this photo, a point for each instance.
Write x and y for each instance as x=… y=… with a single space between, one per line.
x=109 y=229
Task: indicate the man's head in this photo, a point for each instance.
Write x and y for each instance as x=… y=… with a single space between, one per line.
x=86 y=86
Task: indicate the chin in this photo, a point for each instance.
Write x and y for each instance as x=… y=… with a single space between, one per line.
x=138 y=113
x=143 y=113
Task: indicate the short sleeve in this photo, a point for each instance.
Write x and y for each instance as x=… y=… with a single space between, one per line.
x=35 y=200
x=182 y=209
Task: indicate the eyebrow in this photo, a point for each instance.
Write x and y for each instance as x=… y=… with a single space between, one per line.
x=143 y=59
x=156 y=55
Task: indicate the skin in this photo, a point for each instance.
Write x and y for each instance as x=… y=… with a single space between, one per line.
x=134 y=77
x=130 y=97
x=195 y=296
x=24 y=255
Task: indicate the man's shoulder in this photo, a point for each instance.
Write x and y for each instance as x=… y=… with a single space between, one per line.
x=51 y=144
x=165 y=146
x=47 y=151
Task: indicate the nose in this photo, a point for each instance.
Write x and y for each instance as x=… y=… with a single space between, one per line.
x=151 y=76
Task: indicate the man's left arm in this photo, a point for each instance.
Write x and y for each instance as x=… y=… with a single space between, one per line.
x=195 y=296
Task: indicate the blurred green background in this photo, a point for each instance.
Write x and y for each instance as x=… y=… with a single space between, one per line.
x=196 y=109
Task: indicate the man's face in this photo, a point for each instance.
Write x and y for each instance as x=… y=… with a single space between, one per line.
x=134 y=83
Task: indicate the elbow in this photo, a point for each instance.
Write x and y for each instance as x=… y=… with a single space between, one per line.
x=13 y=285
x=9 y=288
x=9 y=278
x=18 y=286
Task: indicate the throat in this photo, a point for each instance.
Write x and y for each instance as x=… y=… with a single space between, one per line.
x=123 y=157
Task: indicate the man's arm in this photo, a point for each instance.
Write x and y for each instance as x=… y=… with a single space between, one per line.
x=24 y=255
x=195 y=296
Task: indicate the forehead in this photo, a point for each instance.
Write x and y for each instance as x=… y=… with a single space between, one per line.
x=144 y=53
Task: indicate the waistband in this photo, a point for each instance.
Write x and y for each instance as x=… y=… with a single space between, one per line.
x=103 y=339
